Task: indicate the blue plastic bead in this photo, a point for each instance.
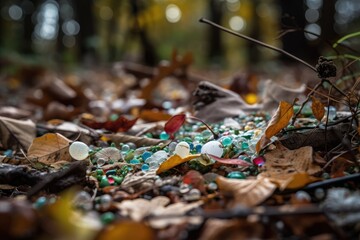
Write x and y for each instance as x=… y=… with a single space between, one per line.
x=198 y=148
x=146 y=155
x=134 y=161
x=145 y=167
x=41 y=201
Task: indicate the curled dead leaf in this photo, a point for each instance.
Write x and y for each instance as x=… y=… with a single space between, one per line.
x=50 y=148
x=247 y=192
x=279 y=121
x=317 y=108
x=173 y=161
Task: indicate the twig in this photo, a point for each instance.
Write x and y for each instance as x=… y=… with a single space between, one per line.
x=279 y=50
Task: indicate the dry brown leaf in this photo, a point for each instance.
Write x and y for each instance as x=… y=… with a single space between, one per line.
x=154 y=115
x=289 y=168
x=247 y=192
x=173 y=161
x=279 y=120
x=317 y=108
x=140 y=208
x=14 y=132
x=50 y=148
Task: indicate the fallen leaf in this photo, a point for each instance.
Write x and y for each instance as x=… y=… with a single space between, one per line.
x=174 y=123
x=290 y=168
x=121 y=124
x=109 y=154
x=139 y=209
x=232 y=161
x=247 y=192
x=50 y=148
x=127 y=230
x=279 y=121
x=338 y=167
x=317 y=108
x=16 y=132
x=154 y=115
x=173 y=161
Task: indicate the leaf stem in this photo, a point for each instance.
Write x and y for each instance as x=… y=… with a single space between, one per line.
x=208 y=127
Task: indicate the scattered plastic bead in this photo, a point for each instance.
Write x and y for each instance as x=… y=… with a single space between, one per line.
x=107 y=217
x=111 y=180
x=226 y=141
x=244 y=145
x=182 y=149
x=79 y=150
x=164 y=136
x=184 y=188
x=8 y=153
x=134 y=161
x=213 y=148
x=118 y=180
x=40 y=202
x=146 y=155
x=236 y=175
x=83 y=200
x=125 y=148
x=302 y=196
x=198 y=148
x=104 y=182
x=193 y=195
x=212 y=186
x=100 y=162
x=259 y=161
x=206 y=134
x=319 y=193
x=172 y=147
x=145 y=167
x=111 y=172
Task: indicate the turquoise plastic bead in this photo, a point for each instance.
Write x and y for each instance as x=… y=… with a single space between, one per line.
x=134 y=161
x=236 y=175
x=164 y=136
x=226 y=141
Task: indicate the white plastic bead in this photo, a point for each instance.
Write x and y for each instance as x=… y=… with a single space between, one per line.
x=212 y=148
x=79 y=150
x=182 y=149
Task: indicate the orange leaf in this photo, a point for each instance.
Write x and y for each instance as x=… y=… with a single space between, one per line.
x=154 y=115
x=127 y=230
x=50 y=148
x=173 y=161
x=300 y=180
x=280 y=119
x=317 y=108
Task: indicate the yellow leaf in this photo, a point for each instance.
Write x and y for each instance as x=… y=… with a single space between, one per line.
x=317 y=108
x=300 y=180
x=280 y=119
x=247 y=192
x=127 y=230
x=50 y=148
x=173 y=161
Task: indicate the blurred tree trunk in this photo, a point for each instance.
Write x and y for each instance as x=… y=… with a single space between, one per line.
x=293 y=14
x=85 y=17
x=112 y=30
x=215 y=50
x=327 y=20
x=148 y=50
x=254 y=54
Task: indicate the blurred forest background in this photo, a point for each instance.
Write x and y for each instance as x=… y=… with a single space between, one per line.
x=66 y=33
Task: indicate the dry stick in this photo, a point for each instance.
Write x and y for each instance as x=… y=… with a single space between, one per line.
x=204 y=20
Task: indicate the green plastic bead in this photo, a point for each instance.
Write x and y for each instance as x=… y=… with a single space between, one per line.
x=107 y=217
x=104 y=182
x=236 y=175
